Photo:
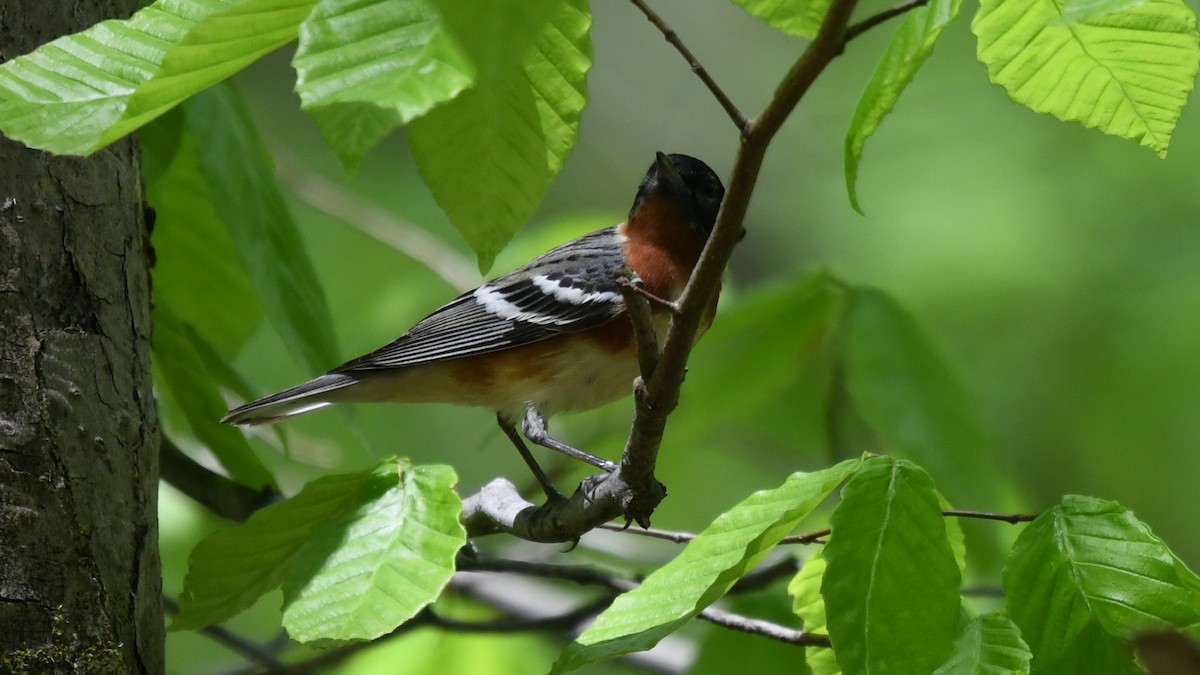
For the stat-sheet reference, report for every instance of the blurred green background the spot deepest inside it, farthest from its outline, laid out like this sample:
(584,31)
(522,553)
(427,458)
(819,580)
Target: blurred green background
(1057,269)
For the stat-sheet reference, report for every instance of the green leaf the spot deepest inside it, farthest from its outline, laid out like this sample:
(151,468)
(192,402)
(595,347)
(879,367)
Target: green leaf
(365,67)
(497,35)
(1127,73)
(765,367)
(394,557)
(891,582)
(489,155)
(238,171)
(989,645)
(910,46)
(182,370)
(905,391)
(1086,576)
(807,603)
(198,274)
(790,17)
(83,91)
(232,568)
(732,545)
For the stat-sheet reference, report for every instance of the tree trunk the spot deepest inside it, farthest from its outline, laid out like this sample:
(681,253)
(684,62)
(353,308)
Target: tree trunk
(80,577)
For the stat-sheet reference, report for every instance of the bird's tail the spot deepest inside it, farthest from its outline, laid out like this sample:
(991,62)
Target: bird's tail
(297,400)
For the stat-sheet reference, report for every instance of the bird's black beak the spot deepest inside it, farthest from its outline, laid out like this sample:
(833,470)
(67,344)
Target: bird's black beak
(667,170)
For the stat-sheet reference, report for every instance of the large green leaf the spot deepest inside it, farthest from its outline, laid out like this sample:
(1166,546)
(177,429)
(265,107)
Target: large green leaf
(1086,576)
(764,368)
(198,274)
(732,545)
(791,17)
(989,645)
(182,370)
(904,390)
(891,581)
(81,92)
(1127,73)
(807,603)
(238,171)
(232,568)
(910,46)
(489,155)
(365,67)
(392,558)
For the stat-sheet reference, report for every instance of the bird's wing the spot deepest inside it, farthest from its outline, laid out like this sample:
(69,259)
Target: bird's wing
(568,289)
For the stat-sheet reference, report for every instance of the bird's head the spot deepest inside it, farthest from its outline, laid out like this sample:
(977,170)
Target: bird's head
(685,183)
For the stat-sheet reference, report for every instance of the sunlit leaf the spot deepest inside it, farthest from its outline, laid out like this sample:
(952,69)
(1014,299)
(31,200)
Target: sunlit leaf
(732,545)
(232,568)
(183,371)
(910,46)
(364,67)
(238,171)
(807,603)
(1127,73)
(81,92)
(1086,576)
(791,17)
(891,581)
(391,559)
(989,645)
(489,155)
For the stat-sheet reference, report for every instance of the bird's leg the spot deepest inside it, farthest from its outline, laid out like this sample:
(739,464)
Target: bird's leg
(535,430)
(552,493)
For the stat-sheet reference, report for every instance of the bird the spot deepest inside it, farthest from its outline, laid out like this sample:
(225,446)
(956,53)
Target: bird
(552,336)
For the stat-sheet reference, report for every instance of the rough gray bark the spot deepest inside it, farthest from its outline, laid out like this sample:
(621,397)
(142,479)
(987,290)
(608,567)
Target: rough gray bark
(79,569)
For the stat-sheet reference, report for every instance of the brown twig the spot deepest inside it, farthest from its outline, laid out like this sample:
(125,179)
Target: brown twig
(642,318)
(219,494)
(874,20)
(261,654)
(1012,518)
(731,109)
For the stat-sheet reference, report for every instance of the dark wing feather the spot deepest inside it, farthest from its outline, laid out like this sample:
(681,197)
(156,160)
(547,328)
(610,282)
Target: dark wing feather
(569,289)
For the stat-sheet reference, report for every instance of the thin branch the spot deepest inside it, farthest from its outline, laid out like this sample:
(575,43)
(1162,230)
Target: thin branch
(640,314)
(410,240)
(593,577)
(219,494)
(766,575)
(1012,518)
(731,109)
(874,20)
(566,621)
(253,651)
(767,629)
(675,536)
(814,537)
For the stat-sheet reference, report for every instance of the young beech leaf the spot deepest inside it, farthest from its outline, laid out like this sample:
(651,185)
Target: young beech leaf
(364,67)
(81,92)
(1126,72)
(807,603)
(891,582)
(910,46)
(1084,578)
(489,155)
(728,548)
(392,557)
(989,645)
(358,554)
